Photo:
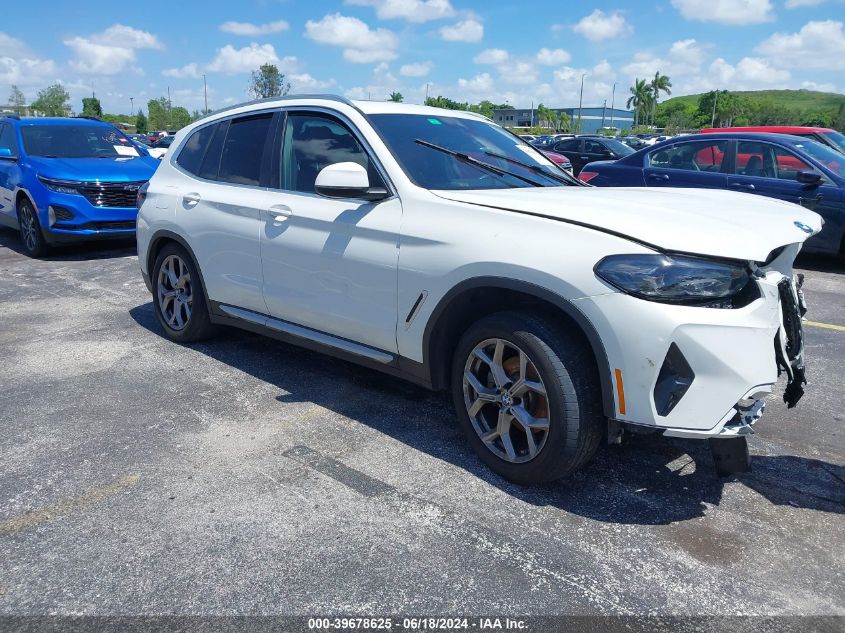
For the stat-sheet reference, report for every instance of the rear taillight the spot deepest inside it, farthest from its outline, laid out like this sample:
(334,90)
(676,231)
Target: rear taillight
(587,176)
(142,195)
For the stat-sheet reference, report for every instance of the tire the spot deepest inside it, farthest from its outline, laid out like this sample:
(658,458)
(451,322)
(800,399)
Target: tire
(177,286)
(557,363)
(32,239)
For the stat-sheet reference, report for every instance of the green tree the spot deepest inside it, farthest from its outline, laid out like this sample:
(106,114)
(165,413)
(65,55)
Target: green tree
(660,83)
(545,116)
(838,121)
(16,100)
(564,123)
(639,99)
(141,125)
(179,118)
(446,103)
(267,81)
(91,107)
(159,113)
(396,96)
(52,101)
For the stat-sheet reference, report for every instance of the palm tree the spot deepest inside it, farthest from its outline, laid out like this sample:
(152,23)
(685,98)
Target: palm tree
(660,83)
(640,95)
(396,96)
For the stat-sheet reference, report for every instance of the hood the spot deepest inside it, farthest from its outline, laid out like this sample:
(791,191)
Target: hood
(117,169)
(701,221)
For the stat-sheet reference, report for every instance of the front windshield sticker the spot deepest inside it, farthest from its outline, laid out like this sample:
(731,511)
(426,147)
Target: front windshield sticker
(435,122)
(123,150)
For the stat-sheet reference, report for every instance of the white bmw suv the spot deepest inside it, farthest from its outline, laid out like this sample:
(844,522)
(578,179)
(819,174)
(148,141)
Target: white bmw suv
(437,246)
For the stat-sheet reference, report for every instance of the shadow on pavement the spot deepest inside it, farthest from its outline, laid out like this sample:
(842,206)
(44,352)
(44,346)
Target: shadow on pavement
(821,263)
(648,480)
(104,249)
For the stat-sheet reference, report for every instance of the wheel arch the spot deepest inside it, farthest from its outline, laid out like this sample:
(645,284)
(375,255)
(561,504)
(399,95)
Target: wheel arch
(477,297)
(159,240)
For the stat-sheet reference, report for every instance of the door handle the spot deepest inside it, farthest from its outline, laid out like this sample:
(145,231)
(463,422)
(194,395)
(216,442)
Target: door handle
(658,176)
(585,158)
(743,185)
(280,212)
(191,199)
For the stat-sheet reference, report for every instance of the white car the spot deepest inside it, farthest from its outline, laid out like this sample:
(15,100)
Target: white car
(434,245)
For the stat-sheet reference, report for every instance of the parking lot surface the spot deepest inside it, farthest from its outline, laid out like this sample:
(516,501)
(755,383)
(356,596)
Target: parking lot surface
(246,476)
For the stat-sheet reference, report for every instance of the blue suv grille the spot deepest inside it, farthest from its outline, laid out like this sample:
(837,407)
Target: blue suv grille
(111,194)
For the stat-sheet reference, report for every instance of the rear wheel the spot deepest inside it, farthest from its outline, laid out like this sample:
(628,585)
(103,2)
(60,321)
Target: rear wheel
(178,296)
(527,395)
(30,229)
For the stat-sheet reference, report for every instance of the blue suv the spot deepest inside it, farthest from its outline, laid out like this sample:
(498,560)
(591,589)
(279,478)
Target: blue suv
(69,180)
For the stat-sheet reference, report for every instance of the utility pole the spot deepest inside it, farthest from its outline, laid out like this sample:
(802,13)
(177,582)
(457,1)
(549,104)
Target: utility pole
(205,94)
(532,112)
(131,106)
(612,104)
(426,91)
(603,110)
(169,108)
(581,101)
(713,116)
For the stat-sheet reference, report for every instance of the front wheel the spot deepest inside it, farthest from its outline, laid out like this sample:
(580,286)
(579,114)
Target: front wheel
(178,296)
(527,393)
(30,229)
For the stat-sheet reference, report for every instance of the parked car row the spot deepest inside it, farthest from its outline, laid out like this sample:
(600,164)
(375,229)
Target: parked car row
(435,246)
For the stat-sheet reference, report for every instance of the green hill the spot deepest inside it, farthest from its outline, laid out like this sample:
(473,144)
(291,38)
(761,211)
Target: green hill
(796,100)
(755,107)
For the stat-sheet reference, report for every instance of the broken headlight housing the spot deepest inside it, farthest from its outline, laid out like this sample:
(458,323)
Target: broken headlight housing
(681,279)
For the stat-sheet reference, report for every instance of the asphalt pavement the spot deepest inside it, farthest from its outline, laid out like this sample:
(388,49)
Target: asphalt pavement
(246,476)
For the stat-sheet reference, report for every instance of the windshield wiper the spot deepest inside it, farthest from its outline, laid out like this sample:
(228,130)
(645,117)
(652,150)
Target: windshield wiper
(466,158)
(535,168)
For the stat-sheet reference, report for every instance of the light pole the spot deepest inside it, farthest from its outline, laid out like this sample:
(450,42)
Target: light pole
(205,94)
(715,100)
(612,103)
(581,101)
(131,106)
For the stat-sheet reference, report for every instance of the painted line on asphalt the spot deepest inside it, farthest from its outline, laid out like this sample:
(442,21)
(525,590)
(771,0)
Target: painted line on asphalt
(826,326)
(65,506)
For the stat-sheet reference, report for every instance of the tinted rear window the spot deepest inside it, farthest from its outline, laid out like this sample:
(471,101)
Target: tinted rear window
(190,158)
(243,150)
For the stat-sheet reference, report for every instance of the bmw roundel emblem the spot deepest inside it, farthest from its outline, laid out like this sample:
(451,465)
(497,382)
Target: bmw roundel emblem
(804,227)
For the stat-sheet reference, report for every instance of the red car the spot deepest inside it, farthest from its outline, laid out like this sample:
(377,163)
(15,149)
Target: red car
(823,135)
(559,160)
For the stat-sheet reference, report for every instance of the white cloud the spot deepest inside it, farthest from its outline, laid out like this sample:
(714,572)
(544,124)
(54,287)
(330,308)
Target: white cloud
(479,84)
(24,71)
(302,83)
(556,57)
(12,47)
(469,30)
(110,52)
(819,45)
(732,12)
(359,42)
(419,69)
(382,83)
(188,71)
(411,10)
(684,57)
(599,26)
(518,72)
(812,85)
(230,60)
(492,56)
(254,30)
(750,73)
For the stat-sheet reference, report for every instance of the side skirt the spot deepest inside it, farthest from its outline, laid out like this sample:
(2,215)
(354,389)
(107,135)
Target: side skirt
(315,340)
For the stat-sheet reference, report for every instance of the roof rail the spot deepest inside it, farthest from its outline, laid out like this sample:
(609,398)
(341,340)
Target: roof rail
(90,117)
(10,115)
(289,97)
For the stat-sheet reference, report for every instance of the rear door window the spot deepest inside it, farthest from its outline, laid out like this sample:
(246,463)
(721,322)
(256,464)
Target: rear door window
(192,153)
(763,160)
(697,156)
(243,149)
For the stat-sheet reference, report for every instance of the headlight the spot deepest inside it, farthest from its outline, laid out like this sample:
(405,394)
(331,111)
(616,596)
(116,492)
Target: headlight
(60,186)
(676,278)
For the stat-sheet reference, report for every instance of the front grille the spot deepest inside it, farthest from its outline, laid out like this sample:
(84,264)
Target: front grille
(114,225)
(111,194)
(791,319)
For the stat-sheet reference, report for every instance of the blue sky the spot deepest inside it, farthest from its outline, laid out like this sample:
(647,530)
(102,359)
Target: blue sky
(515,52)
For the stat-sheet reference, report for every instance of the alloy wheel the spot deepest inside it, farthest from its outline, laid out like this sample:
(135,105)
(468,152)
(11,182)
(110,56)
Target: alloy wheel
(506,400)
(29,227)
(175,292)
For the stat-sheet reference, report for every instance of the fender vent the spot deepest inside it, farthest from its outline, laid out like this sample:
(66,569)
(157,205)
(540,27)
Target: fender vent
(673,381)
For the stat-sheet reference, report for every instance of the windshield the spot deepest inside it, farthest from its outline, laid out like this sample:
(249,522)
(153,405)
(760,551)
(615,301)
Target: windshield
(618,147)
(410,138)
(76,141)
(828,157)
(836,138)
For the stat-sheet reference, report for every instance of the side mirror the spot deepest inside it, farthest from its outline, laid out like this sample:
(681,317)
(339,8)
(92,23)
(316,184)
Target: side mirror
(347,180)
(5,152)
(809,177)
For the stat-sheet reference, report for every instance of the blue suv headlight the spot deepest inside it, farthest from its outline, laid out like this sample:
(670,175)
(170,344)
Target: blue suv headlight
(60,186)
